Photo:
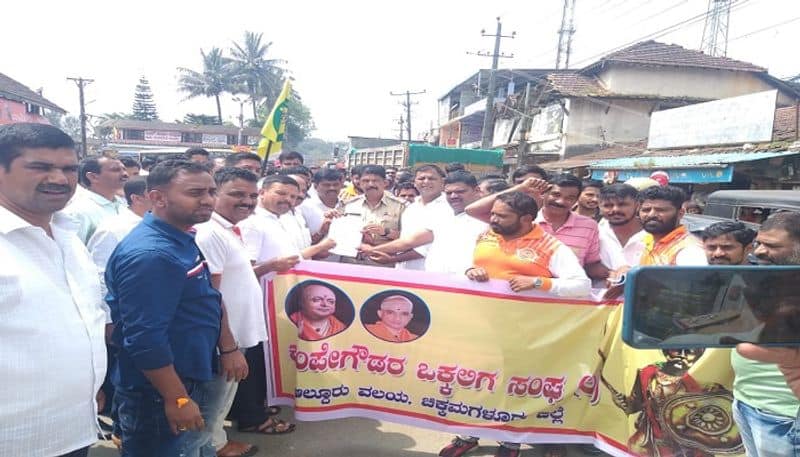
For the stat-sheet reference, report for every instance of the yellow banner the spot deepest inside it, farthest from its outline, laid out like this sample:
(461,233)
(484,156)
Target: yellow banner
(445,353)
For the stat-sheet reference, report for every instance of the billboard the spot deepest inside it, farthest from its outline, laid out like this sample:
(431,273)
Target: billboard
(743,119)
(214,138)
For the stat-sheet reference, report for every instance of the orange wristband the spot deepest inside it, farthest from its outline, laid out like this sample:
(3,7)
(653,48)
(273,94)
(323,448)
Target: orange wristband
(181,401)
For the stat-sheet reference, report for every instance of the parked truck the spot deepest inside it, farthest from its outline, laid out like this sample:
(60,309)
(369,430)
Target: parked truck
(478,161)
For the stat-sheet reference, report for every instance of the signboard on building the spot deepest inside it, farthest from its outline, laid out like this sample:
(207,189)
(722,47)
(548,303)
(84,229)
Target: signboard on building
(743,119)
(546,125)
(162,136)
(214,138)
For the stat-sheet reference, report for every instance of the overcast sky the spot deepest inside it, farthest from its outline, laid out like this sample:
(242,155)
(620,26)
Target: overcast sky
(346,56)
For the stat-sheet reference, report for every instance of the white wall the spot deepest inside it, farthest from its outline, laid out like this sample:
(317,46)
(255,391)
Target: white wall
(682,82)
(595,121)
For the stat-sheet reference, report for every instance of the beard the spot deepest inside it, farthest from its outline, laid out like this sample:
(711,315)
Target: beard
(660,228)
(506,230)
(792,259)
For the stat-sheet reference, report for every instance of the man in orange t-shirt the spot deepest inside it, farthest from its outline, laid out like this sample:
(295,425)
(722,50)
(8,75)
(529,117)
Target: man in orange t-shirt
(315,319)
(517,250)
(395,313)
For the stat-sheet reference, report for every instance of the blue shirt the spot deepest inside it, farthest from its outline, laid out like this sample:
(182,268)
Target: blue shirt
(163,306)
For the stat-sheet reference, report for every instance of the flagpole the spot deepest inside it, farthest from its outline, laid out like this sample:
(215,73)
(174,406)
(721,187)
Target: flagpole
(266,157)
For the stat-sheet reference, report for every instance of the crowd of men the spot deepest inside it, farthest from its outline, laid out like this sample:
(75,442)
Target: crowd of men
(150,272)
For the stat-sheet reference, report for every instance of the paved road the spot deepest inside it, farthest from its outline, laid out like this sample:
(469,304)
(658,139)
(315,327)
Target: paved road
(350,438)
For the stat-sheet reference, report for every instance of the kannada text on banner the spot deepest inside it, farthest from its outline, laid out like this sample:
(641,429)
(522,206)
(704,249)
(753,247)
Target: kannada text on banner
(442,352)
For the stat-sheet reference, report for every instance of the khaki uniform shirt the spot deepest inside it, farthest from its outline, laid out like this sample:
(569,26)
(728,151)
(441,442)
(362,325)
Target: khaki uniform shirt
(386,213)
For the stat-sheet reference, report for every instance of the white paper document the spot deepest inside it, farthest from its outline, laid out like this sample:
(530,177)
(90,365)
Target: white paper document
(346,232)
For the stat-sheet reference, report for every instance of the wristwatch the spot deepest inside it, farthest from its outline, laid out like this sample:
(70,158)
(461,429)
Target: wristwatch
(537,282)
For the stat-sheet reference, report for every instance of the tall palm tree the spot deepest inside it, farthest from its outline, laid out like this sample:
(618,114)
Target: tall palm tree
(259,76)
(213,81)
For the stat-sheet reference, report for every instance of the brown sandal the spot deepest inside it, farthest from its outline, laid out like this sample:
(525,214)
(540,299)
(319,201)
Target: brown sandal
(271,426)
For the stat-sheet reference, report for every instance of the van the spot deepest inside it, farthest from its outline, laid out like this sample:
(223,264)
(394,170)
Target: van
(749,206)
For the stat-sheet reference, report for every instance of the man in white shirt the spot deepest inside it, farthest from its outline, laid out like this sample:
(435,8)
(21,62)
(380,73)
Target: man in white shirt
(328,184)
(102,243)
(621,234)
(294,221)
(267,240)
(52,356)
(112,230)
(270,247)
(232,274)
(431,205)
(102,178)
(451,238)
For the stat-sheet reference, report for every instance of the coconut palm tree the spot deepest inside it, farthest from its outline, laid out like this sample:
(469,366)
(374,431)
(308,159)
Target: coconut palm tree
(259,77)
(213,81)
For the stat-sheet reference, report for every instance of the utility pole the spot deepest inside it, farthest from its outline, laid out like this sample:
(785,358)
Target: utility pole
(407,105)
(715,30)
(486,134)
(565,34)
(82,82)
(401,122)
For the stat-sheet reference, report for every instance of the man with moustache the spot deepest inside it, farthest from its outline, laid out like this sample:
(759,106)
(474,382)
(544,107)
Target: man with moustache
(430,206)
(380,213)
(579,233)
(621,234)
(588,202)
(52,356)
(328,184)
(294,221)
(169,320)
(451,239)
(767,383)
(728,243)
(667,241)
(102,179)
(266,238)
(232,274)
(112,230)
(519,251)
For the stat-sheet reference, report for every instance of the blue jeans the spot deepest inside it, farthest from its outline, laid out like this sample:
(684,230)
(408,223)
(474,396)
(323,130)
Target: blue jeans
(765,434)
(145,431)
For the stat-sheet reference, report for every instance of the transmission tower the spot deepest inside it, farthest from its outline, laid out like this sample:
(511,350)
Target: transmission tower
(565,34)
(715,30)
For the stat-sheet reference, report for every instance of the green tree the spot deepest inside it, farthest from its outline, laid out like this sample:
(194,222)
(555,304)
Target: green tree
(299,123)
(255,74)
(144,107)
(211,82)
(70,125)
(199,119)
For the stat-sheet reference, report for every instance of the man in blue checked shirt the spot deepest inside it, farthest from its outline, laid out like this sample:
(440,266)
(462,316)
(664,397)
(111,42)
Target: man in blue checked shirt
(169,320)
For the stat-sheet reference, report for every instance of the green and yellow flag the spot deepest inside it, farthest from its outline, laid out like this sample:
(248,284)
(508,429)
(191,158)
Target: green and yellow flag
(275,126)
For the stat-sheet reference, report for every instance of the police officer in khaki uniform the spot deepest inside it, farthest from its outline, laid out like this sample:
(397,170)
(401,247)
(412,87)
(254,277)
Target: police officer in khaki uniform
(380,212)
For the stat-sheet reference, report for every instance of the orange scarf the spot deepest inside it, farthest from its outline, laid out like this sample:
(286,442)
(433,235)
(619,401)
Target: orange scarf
(307,332)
